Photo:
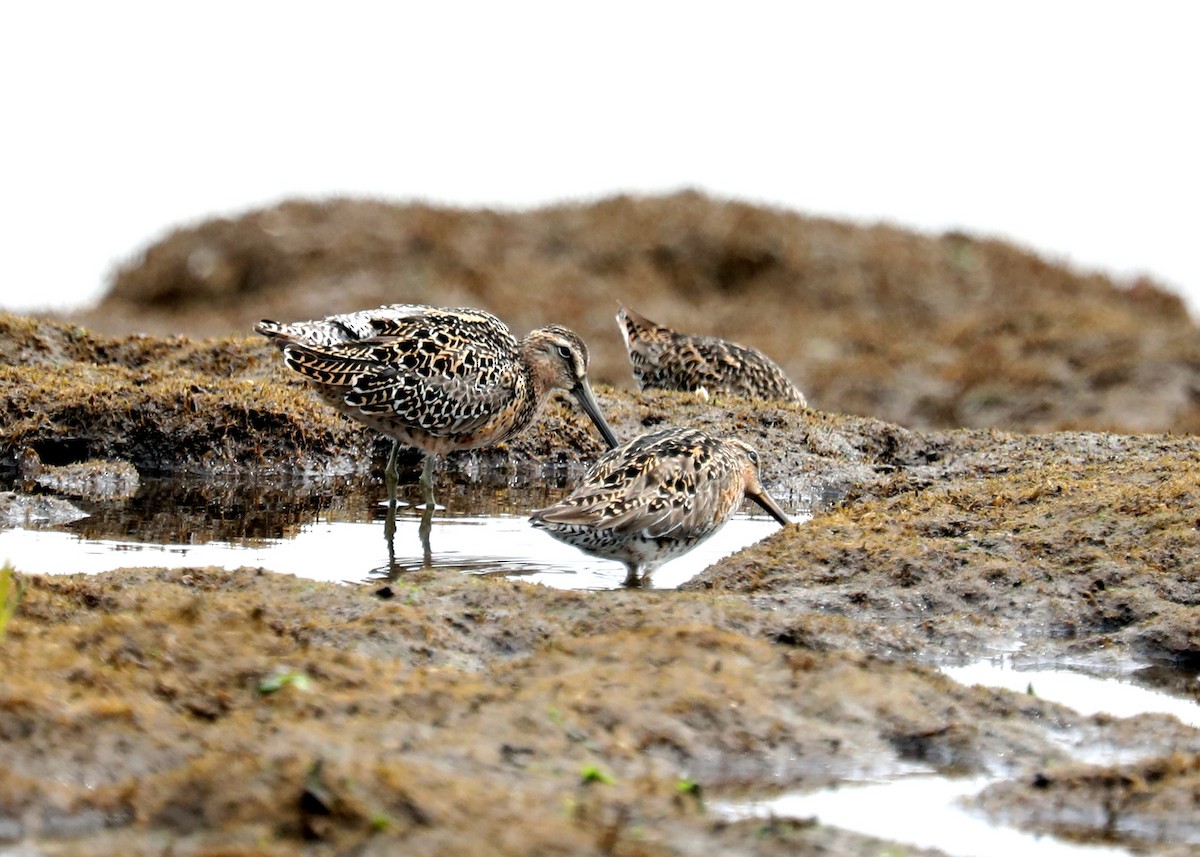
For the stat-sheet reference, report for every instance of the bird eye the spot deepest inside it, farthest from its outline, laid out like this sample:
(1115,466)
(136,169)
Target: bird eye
(753,457)
(564,352)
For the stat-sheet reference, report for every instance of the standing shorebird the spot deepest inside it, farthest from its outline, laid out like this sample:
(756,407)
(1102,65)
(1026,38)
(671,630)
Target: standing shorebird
(657,497)
(666,360)
(436,379)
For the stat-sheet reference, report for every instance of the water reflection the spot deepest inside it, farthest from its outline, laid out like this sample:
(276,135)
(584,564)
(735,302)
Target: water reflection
(333,529)
(197,511)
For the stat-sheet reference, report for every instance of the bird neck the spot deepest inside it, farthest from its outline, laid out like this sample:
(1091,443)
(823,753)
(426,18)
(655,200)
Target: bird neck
(539,375)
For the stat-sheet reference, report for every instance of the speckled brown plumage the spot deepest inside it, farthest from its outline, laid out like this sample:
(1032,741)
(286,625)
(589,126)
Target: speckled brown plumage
(657,497)
(434,378)
(666,360)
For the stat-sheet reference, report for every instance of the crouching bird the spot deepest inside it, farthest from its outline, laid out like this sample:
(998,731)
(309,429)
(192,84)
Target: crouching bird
(657,497)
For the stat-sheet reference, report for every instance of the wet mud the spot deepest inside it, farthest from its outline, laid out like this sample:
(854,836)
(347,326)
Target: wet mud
(207,712)
(248,712)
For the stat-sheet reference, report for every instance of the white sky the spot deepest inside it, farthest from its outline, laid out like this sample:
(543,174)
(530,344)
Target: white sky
(1069,127)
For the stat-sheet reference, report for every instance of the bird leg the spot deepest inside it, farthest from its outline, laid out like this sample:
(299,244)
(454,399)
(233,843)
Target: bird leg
(389,479)
(427,512)
(427,479)
(423,532)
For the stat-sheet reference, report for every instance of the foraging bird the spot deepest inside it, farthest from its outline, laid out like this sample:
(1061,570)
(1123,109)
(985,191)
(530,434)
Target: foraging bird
(436,379)
(666,360)
(657,497)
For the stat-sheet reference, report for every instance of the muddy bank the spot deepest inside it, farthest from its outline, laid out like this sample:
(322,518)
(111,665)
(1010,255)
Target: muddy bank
(250,713)
(244,712)
(1076,544)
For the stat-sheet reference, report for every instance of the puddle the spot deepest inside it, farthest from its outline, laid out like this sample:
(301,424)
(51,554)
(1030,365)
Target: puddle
(920,811)
(1084,693)
(1173,692)
(928,810)
(333,530)
(354,553)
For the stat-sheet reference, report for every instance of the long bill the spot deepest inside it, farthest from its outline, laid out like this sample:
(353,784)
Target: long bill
(582,392)
(768,503)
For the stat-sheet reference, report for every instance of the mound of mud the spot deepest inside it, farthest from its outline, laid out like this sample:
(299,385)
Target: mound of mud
(919,330)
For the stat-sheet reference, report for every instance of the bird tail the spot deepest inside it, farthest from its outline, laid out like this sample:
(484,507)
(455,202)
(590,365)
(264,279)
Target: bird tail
(272,330)
(635,327)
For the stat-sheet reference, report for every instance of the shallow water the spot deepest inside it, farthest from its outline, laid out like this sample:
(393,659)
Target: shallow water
(1086,694)
(333,530)
(922,811)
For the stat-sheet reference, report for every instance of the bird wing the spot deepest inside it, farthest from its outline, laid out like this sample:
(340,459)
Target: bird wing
(451,329)
(439,384)
(404,321)
(717,364)
(438,404)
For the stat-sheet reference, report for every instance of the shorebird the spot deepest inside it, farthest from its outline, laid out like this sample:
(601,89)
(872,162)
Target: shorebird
(434,378)
(657,497)
(667,360)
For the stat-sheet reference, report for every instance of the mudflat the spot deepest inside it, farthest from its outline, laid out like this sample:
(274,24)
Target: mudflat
(201,711)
